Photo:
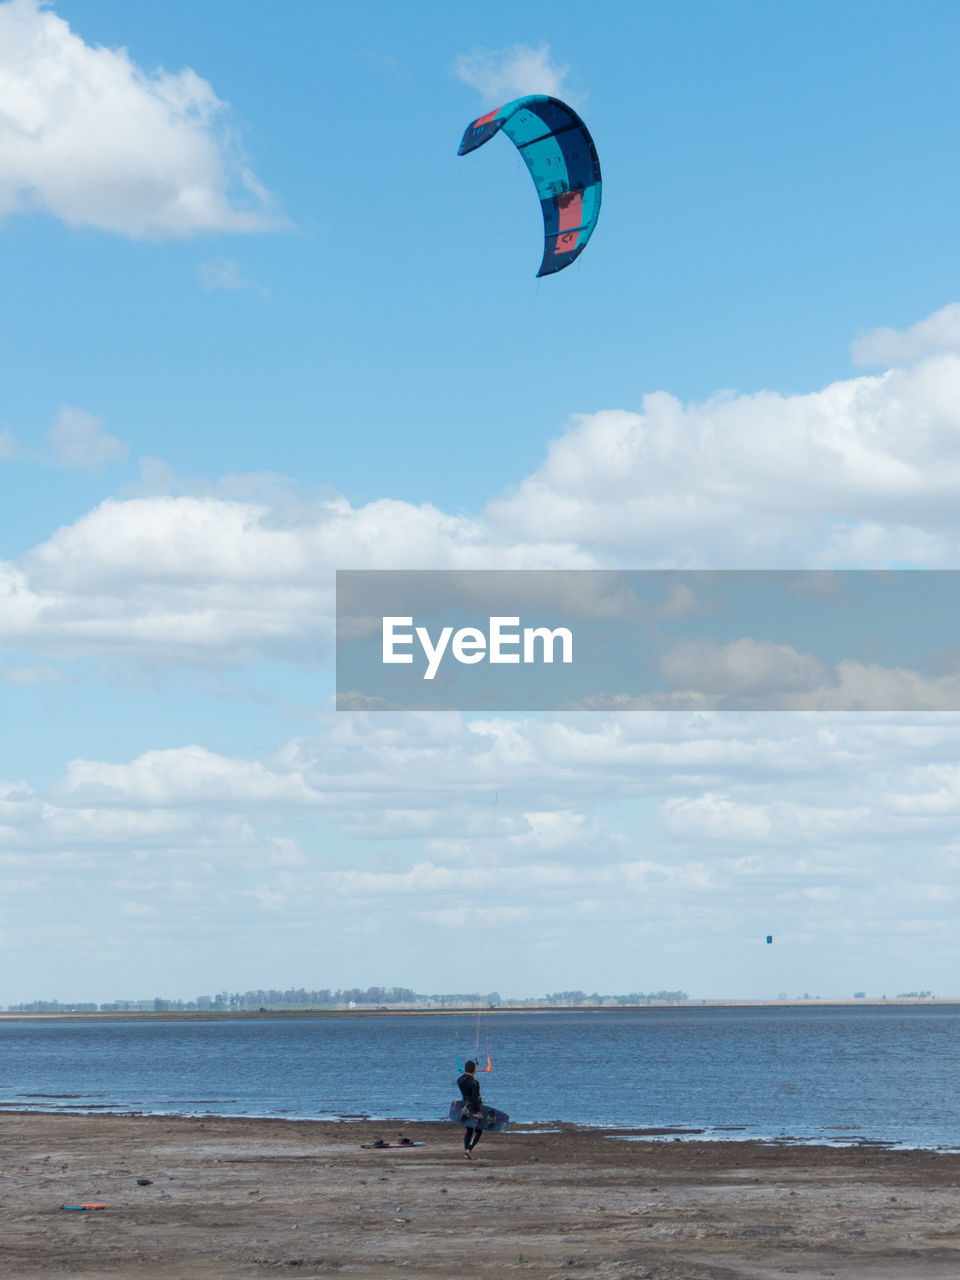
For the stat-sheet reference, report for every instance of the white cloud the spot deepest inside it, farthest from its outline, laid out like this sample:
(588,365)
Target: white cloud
(721,819)
(36,675)
(199,577)
(93,139)
(225,273)
(503,74)
(862,473)
(938,332)
(184,776)
(756,481)
(703,825)
(741,667)
(8,445)
(751,675)
(79,440)
(463,917)
(138,909)
(716,830)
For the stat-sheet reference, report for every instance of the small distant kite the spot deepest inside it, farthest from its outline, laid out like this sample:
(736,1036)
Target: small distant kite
(561,157)
(769,937)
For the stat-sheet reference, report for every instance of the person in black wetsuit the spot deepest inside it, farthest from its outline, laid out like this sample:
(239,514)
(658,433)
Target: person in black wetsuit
(469,1087)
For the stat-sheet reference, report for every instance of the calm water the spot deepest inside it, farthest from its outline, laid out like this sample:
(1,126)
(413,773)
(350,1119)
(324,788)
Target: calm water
(843,1074)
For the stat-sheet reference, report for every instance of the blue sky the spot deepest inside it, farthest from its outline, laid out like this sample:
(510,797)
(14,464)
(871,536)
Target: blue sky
(259,322)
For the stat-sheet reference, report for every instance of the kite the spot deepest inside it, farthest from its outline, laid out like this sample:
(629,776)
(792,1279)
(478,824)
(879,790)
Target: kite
(561,157)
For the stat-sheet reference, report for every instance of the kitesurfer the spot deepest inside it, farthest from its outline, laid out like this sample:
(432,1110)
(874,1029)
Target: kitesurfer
(470,1089)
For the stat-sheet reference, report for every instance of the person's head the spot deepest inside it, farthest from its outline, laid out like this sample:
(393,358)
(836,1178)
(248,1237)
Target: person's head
(470,1067)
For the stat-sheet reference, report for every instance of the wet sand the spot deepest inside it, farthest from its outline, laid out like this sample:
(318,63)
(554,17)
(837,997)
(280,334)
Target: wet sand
(233,1199)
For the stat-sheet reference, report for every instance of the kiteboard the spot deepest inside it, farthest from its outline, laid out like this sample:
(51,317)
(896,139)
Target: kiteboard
(491,1120)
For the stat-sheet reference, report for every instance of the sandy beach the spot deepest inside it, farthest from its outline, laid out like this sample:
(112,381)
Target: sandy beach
(191,1199)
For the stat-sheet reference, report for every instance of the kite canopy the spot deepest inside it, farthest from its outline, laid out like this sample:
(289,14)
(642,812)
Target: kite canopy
(562,160)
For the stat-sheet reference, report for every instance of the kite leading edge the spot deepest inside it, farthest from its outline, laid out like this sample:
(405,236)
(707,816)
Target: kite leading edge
(561,157)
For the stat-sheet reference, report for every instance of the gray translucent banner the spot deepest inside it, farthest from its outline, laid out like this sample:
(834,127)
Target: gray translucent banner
(550,640)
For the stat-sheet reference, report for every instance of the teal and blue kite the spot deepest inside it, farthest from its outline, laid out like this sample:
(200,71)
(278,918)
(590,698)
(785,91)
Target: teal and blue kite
(562,160)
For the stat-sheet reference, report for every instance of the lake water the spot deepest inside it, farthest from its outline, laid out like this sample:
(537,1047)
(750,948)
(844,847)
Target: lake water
(837,1074)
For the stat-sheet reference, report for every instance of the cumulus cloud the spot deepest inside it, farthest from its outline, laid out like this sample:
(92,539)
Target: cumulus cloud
(761,675)
(36,675)
(720,818)
(79,440)
(645,827)
(717,776)
(712,824)
(225,274)
(938,332)
(138,909)
(502,74)
(742,667)
(861,473)
(91,138)
(184,776)
(207,577)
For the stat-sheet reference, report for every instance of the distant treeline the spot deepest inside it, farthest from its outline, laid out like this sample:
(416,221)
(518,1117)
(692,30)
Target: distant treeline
(635,997)
(301,998)
(294,998)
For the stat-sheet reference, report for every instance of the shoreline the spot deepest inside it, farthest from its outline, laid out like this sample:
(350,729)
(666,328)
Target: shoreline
(211,1198)
(706,1134)
(208,1015)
